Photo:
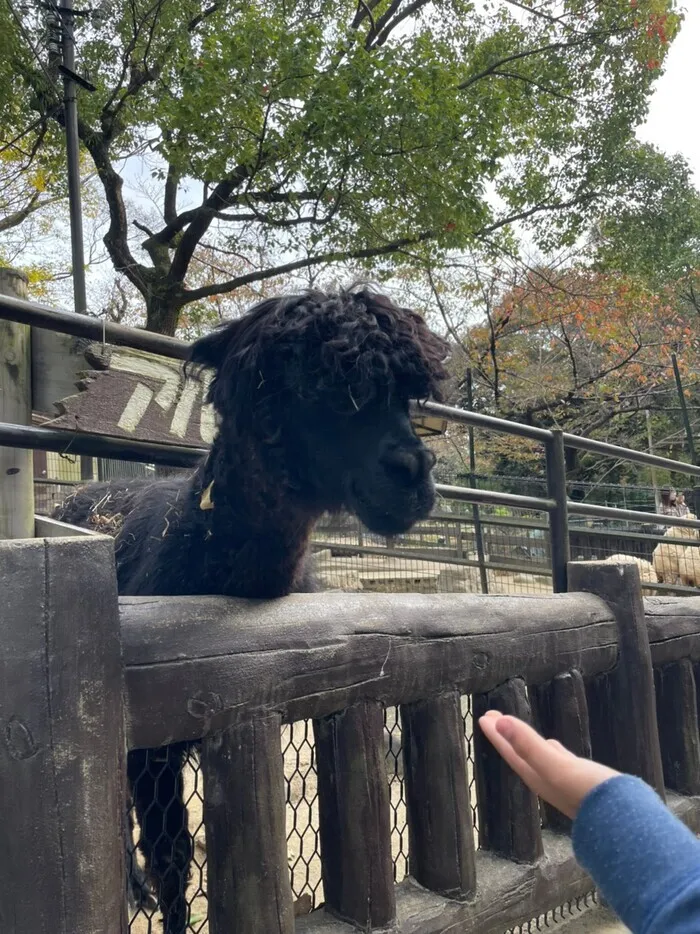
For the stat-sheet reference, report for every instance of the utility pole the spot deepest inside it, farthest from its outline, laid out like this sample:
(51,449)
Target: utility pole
(73,154)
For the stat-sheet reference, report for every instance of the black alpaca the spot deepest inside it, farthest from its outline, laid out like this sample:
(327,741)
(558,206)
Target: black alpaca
(312,396)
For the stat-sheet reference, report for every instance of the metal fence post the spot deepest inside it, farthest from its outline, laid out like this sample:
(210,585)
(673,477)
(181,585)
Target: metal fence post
(478,531)
(558,515)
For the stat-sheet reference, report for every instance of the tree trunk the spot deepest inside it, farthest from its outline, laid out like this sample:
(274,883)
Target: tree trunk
(163,306)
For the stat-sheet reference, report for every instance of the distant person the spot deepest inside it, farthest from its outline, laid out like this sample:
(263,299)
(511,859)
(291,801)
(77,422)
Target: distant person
(643,859)
(683,508)
(669,503)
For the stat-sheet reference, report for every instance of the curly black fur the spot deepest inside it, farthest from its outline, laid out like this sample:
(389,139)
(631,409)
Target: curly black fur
(312,395)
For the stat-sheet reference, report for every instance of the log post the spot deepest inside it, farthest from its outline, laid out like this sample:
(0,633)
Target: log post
(248,879)
(354,820)
(676,707)
(509,816)
(560,711)
(62,751)
(622,704)
(16,464)
(441,835)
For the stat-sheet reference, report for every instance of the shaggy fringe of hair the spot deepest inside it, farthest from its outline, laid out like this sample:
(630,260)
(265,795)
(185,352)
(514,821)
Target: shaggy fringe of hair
(346,348)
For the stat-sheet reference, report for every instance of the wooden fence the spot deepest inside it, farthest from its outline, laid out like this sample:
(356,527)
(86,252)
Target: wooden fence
(85,675)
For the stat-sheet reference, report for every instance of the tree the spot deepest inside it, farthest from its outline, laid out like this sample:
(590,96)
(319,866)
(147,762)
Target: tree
(654,229)
(325,132)
(565,345)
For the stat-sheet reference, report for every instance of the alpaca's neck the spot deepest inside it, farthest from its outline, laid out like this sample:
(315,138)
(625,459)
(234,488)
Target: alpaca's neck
(258,527)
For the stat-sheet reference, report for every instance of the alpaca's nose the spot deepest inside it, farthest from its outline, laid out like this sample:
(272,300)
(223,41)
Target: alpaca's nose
(408,465)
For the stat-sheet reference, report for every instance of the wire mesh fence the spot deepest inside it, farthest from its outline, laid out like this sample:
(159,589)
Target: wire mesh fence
(298,751)
(303,848)
(439,555)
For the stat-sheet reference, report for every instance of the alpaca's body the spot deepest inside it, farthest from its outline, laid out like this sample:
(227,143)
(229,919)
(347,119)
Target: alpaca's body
(312,395)
(668,558)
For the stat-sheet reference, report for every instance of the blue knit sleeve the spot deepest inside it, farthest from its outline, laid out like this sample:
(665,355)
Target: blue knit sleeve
(644,860)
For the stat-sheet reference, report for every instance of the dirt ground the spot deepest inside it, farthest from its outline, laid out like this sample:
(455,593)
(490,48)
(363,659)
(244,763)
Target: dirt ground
(375,573)
(595,920)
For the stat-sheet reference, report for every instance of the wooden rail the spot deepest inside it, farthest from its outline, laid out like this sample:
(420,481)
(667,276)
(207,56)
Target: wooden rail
(591,667)
(310,655)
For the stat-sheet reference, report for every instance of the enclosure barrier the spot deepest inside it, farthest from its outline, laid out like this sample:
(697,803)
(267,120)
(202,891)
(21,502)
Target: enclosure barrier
(84,675)
(554,442)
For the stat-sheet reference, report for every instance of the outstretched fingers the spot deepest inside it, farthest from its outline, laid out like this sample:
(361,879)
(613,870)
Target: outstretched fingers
(496,728)
(547,768)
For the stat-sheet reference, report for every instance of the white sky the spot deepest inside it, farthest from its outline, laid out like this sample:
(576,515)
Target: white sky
(673,123)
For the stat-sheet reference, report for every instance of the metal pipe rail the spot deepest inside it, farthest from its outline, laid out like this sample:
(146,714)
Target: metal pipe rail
(639,457)
(630,515)
(93,445)
(467,494)
(42,316)
(488,422)
(94,329)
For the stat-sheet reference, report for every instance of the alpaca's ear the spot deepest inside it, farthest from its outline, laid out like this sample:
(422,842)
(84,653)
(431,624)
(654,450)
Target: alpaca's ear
(209,351)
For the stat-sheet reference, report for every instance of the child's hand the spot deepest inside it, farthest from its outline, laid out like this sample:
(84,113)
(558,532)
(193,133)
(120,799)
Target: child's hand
(546,767)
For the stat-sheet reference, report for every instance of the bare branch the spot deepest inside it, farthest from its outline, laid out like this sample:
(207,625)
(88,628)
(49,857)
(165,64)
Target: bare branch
(193,295)
(31,207)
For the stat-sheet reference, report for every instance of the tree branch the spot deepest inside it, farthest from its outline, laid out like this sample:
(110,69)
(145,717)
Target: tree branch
(205,14)
(527,53)
(193,295)
(202,221)
(537,84)
(385,27)
(170,195)
(116,238)
(33,205)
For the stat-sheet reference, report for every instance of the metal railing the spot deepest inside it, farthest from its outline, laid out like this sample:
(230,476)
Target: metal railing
(556,505)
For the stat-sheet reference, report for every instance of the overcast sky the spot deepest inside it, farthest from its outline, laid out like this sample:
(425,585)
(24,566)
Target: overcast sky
(673,125)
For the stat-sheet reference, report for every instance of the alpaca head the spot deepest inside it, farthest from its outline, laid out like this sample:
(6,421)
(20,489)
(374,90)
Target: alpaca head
(315,389)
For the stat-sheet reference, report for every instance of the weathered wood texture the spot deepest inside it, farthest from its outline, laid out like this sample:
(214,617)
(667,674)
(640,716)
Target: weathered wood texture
(248,883)
(440,830)
(57,363)
(311,654)
(52,528)
(628,696)
(508,894)
(62,747)
(560,711)
(354,818)
(509,816)
(16,464)
(673,625)
(676,705)
(133,394)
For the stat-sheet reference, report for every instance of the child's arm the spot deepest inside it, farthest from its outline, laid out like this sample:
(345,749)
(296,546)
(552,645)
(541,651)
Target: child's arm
(644,860)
